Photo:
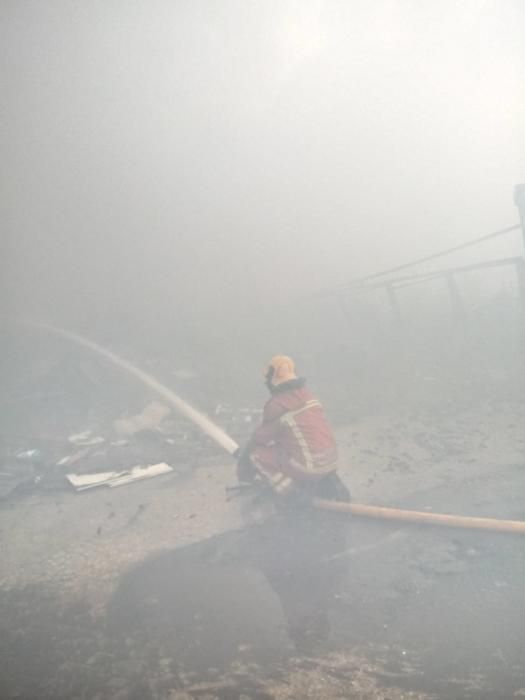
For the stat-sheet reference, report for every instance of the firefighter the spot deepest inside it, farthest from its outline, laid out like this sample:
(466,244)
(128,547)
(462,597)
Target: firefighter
(293,449)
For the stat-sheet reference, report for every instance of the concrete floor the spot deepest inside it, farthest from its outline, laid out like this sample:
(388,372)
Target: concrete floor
(161,590)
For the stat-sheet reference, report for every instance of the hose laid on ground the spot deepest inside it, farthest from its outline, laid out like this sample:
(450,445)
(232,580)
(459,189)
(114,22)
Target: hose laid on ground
(415,516)
(227,443)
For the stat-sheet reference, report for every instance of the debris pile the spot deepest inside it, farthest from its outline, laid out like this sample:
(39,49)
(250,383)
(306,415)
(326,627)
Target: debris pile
(237,422)
(82,482)
(149,419)
(67,428)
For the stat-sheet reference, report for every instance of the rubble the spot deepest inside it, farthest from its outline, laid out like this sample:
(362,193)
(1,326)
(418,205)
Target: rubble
(82,482)
(68,460)
(86,439)
(29,455)
(149,419)
(92,424)
(237,422)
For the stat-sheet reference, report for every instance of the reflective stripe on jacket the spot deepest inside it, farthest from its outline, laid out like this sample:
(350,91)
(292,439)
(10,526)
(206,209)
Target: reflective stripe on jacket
(294,421)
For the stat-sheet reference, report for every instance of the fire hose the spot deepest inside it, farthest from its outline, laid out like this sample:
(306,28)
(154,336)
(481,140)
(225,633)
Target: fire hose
(221,438)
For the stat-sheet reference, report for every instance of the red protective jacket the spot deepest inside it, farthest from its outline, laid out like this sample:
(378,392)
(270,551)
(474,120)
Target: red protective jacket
(295,427)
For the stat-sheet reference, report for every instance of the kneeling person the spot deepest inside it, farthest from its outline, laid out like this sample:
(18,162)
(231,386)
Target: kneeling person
(294,448)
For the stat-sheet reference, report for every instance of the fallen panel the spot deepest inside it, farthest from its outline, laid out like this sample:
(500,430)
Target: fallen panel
(138,473)
(81,482)
(88,481)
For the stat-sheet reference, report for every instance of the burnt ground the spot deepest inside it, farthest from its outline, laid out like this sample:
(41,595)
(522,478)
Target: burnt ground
(165,590)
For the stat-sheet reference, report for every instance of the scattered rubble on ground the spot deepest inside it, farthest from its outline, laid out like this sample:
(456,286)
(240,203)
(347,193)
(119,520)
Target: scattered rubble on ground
(88,543)
(149,419)
(82,482)
(85,439)
(37,449)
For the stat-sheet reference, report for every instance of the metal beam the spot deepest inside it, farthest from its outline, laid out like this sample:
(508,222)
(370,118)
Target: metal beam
(519,201)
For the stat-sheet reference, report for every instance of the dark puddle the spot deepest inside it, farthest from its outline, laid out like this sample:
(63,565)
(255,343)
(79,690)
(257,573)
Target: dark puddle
(217,618)
(255,596)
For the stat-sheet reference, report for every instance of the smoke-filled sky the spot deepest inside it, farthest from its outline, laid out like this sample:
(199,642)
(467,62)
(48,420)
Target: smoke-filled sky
(190,159)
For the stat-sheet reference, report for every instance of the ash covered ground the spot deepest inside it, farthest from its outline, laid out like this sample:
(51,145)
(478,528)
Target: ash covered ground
(167,589)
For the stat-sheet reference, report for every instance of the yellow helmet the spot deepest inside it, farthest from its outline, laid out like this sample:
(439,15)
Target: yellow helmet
(281,369)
